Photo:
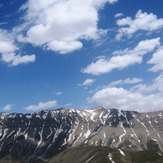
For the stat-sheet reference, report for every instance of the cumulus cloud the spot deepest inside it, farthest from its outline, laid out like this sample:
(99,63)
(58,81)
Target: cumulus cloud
(103,66)
(157,60)
(7,107)
(8,51)
(6,43)
(64,47)
(41,106)
(122,58)
(124,99)
(13,60)
(142,97)
(60,25)
(142,21)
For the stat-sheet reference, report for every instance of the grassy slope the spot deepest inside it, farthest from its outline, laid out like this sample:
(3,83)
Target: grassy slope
(95,154)
(100,154)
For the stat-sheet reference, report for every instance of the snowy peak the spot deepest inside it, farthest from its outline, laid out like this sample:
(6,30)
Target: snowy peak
(49,132)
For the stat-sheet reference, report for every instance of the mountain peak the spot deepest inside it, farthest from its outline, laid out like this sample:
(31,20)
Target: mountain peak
(48,132)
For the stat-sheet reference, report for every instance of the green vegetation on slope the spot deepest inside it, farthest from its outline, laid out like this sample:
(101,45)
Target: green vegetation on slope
(95,154)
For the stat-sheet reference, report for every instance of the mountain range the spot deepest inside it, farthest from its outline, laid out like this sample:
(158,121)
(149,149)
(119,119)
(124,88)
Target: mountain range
(81,136)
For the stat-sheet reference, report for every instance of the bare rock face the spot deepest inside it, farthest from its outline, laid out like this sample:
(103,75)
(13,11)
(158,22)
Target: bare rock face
(47,133)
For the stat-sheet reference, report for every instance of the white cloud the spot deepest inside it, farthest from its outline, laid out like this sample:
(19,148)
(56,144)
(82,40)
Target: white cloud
(132,80)
(115,83)
(41,106)
(112,1)
(142,97)
(88,82)
(157,60)
(122,58)
(126,81)
(146,46)
(121,98)
(103,66)
(143,21)
(6,43)
(7,107)
(8,51)
(118,15)
(155,86)
(64,47)
(61,25)
(13,60)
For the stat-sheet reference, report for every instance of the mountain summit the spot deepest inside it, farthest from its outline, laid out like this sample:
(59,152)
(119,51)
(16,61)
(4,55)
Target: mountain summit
(47,133)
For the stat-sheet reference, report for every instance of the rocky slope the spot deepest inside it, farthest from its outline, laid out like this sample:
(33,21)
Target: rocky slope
(45,134)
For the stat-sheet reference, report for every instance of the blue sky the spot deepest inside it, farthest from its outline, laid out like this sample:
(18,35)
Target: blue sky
(76,54)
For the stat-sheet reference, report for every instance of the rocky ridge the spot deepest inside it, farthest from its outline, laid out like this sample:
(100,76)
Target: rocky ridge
(49,132)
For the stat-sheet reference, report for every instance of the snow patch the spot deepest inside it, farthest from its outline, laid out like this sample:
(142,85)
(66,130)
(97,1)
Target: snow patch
(143,125)
(124,133)
(104,135)
(121,152)
(110,158)
(90,158)
(153,127)
(3,115)
(87,134)
(28,116)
